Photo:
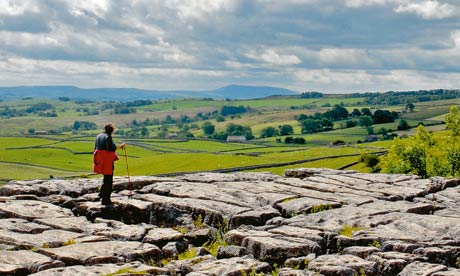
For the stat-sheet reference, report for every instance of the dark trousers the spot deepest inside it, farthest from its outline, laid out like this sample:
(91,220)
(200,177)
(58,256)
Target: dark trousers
(106,188)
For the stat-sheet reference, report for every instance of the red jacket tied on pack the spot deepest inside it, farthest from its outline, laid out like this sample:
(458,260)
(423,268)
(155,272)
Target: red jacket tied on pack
(104,154)
(103,161)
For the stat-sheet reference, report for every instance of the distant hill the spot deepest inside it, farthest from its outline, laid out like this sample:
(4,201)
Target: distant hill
(131,94)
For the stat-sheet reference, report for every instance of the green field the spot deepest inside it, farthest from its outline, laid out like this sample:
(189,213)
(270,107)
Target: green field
(28,158)
(69,153)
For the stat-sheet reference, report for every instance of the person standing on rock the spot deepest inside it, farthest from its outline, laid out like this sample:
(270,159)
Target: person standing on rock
(103,160)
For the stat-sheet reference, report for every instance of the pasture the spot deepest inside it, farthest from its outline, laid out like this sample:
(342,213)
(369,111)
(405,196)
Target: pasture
(29,158)
(69,153)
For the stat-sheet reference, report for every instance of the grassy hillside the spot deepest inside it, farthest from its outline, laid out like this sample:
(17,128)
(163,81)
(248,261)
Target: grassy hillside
(24,155)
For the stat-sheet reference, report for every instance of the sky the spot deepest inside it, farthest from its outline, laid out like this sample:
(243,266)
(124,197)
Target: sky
(331,46)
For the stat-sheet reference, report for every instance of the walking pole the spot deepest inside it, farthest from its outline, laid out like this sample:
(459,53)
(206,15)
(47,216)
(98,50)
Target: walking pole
(130,185)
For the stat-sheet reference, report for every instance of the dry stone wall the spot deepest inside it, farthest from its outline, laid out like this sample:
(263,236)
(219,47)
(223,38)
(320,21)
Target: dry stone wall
(308,222)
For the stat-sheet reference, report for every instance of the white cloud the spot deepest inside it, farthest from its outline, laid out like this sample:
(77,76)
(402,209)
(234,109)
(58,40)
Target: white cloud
(270,56)
(455,36)
(82,74)
(18,7)
(343,81)
(344,57)
(192,43)
(361,3)
(428,9)
(23,39)
(196,9)
(96,7)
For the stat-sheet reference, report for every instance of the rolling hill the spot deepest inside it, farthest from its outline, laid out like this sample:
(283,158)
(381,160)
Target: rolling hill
(131,94)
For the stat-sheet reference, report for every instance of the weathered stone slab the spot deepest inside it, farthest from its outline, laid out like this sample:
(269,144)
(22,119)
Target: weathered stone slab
(133,268)
(256,217)
(71,223)
(327,264)
(393,212)
(305,233)
(323,183)
(306,172)
(161,236)
(366,215)
(438,255)
(449,272)
(184,267)
(116,230)
(22,226)
(422,269)
(415,228)
(233,177)
(110,228)
(392,263)
(225,252)
(48,238)
(25,262)
(267,246)
(305,205)
(165,210)
(296,272)
(218,191)
(299,262)
(324,191)
(31,209)
(232,266)
(361,251)
(74,187)
(103,252)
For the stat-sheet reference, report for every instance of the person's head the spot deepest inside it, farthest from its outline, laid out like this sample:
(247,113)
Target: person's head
(109,128)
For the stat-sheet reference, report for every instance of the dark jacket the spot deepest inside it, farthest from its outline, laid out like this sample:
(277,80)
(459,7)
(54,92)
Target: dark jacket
(104,154)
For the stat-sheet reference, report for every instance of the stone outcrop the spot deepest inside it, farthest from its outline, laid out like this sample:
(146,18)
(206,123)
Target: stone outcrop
(308,222)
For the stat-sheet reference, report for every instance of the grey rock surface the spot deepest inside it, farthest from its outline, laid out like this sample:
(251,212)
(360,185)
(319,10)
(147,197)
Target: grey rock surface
(25,262)
(133,268)
(309,222)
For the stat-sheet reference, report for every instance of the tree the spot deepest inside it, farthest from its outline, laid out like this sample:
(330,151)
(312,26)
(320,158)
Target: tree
(310,126)
(220,118)
(365,121)
(268,132)
(383,116)
(208,128)
(453,123)
(409,156)
(366,112)
(239,130)
(424,154)
(371,160)
(144,131)
(310,95)
(410,106)
(453,120)
(232,110)
(326,124)
(289,140)
(286,130)
(299,140)
(355,113)
(350,123)
(337,113)
(403,125)
(222,135)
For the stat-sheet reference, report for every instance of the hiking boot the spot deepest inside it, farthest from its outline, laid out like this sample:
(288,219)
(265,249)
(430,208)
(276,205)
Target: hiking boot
(106,201)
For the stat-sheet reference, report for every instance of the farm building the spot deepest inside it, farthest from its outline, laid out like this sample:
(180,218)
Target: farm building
(232,138)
